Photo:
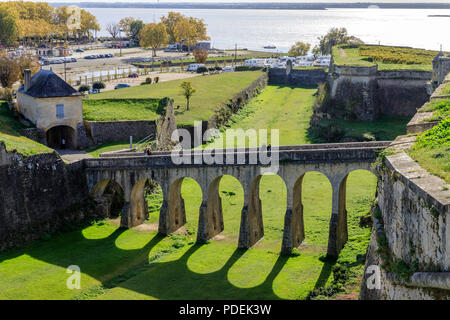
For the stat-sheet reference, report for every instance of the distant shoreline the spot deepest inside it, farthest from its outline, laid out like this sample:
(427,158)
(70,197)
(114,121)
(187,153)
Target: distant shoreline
(439,15)
(257,5)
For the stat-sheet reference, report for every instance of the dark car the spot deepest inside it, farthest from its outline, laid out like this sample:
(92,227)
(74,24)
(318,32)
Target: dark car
(79,50)
(133,75)
(122,85)
(73,60)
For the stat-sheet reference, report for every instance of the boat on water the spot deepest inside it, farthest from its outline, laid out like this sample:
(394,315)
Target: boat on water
(270,47)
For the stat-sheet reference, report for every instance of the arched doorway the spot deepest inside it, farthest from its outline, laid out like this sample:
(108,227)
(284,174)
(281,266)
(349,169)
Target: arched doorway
(61,137)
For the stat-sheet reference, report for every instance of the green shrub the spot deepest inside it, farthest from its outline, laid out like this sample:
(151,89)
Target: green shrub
(248,68)
(202,69)
(84,88)
(98,85)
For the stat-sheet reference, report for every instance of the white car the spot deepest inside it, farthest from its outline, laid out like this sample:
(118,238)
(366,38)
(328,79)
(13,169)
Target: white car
(228,69)
(195,66)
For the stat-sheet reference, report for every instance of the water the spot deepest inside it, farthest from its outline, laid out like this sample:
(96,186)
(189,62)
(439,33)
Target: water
(254,29)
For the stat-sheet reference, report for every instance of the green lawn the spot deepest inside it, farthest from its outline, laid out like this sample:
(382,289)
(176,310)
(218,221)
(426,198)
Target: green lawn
(432,150)
(9,134)
(212,91)
(387,58)
(131,264)
(386,128)
(120,109)
(439,107)
(445,90)
(106,147)
(280,107)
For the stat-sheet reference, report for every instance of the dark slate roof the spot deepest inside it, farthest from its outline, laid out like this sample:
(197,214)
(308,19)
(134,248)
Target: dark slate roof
(46,84)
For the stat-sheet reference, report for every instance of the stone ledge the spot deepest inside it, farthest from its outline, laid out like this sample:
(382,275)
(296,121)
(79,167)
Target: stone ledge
(437,280)
(426,185)
(419,123)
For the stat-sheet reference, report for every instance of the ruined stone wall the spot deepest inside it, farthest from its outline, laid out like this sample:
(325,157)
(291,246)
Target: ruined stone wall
(39,195)
(110,131)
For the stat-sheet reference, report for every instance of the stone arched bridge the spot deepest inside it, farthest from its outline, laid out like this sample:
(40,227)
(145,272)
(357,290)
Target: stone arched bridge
(335,161)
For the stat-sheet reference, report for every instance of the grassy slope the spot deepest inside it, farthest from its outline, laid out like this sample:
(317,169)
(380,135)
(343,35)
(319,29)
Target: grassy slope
(352,57)
(110,110)
(284,108)
(432,150)
(386,128)
(13,140)
(212,91)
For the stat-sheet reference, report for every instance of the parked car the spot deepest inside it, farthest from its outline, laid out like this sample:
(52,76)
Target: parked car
(195,66)
(228,69)
(109,55)
(122,85)
(79,50)
(133,75)
(93,91)
(73,59)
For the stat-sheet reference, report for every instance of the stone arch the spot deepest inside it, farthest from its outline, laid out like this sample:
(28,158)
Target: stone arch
(55,136)
(109,196)
(341,236)
(138,208)
(175,216)
(252,226)
(294,227)
(211,221)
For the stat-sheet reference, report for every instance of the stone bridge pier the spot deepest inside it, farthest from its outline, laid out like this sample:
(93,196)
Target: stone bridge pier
(133,173)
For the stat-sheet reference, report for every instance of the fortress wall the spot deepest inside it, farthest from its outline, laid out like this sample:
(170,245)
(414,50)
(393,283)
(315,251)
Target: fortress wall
(415,221)
(365,93)
(297,77)
(111,131)
(40,195)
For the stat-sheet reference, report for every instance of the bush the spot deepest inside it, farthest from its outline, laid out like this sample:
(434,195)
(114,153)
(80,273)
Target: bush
(247,68)
(6,94)
(218,68)
(148,80)
(83,88)
(98,85)
(202,69)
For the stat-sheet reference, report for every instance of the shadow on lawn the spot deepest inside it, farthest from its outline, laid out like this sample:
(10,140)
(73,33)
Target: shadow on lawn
(99,258)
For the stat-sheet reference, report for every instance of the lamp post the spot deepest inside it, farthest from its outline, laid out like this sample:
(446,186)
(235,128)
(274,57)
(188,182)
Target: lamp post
(121,40)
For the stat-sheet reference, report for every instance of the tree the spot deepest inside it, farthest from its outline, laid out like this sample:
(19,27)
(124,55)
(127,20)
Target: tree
(334,36)
(88,23)
(153,35)
(83,88)
(113,29)
(125,24)
(190,30)
(171,21)
(27,61)
(187,91)
(299,49)
(8,29)
(200,55)
(135,28)
(98,85)
(12,68)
